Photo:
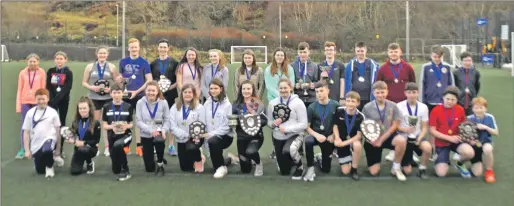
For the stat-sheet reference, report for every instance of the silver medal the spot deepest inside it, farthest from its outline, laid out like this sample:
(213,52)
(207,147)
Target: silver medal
(58,89)
(133,76)
(395,80)
(467,90)
(439,84)
(361,79)
(331,81)
(322,127)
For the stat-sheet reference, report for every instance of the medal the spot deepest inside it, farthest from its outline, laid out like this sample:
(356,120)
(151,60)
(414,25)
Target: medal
(152,114)
(331,71)
(191,70)
(395,80)
(322,127)
(361,79)
(31,82)
(323,115)
(349,124)
(381,114)
(396,74)
(59,79)
(133,76)
(184,123)
(83,128)
(162,67)
(34,122)
(450,132)
(212,122)
(214,110)
(466,90)
(439,84)
(162,77)
(214,71)
(58,89)
(361,69)
(449,120)
(437,72)
(30,91)
(247,74)
(185,114)
(348,137)
(331,81)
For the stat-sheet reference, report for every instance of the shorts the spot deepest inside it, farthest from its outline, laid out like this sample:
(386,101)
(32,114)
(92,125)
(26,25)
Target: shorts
(344,154)
(443,153)
(409,151)
(133,102)
(479,152)
(374,154)
(99,104)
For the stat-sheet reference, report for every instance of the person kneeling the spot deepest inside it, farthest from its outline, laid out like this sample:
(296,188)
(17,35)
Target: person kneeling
(347,134)
(88,130)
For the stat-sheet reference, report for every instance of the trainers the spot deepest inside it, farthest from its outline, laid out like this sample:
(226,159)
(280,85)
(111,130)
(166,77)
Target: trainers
(172,151)
(63,155)
(456,157)
(90,168)
(258,170)
(355,176)
(298,173)
(233,158)
(272,155)
(220,172)
(106,152)
(127,150)
(97,153)
(464,172)
(59,161)
(415,158)
(422,174)
(124,176)
(399,174)
(309,175)
(159,168)
(49,172)
(139,151)
(20,154)
(489,176)
(390,156)
(433,158)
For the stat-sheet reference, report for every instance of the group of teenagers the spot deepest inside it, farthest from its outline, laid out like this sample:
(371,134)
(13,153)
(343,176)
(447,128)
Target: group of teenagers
(327,103)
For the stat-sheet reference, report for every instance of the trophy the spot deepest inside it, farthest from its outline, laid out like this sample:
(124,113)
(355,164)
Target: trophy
(304,86)
(164,84)
(281,111)
(250,123)
(370,130)
(126,93)
(468,131)
(67,134)
(232,120)
(157,125)
(196,129)
(413,122)
(117,127)
(324,74)
(102,83)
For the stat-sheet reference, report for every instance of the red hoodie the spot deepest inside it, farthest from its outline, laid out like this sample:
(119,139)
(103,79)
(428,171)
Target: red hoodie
(396,90)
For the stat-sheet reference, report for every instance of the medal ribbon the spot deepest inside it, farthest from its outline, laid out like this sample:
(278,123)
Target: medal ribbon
(450,119)
(323,113)
(332,69)
(215,71)
(361,68)
(192,74)
(247,75)
(437,70)
(349,125)
(59,76)
(100,70)
(152,114)
(396,74)
(281,101)
(382,117)
(185,114)
(83,129)
(163,64)
(466,81)
(118,117)
(34,122)
(410,111)
(31,82)
(214,110)
(302,72)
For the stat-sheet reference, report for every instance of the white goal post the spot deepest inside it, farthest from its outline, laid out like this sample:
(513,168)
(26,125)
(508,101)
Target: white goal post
(5,55)
(454,53)
(261,54)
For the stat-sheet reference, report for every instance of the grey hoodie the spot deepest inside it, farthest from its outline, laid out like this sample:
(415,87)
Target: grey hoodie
(297,119)
(178,129)
(144,120)
(219,125)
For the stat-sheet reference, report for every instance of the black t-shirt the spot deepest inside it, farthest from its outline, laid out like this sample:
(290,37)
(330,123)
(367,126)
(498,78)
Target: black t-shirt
(339,120)
(124,115)
(170,73)
(363,88)
(90,138)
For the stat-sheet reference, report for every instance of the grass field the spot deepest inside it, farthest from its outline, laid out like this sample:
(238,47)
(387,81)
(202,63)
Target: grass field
(21,187)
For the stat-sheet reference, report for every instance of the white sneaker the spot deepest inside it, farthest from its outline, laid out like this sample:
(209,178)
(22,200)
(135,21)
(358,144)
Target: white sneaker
(59,161)
(234,159)
(456,156)
(309,175)
(399,174)
(106,152)
(390,156)
(415,158)
(258,170)
(97,153)
(220,172)
(49,172)
(433,158)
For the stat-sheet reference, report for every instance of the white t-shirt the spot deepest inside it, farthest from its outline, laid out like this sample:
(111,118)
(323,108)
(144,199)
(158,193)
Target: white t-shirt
(422,115)
(44,129)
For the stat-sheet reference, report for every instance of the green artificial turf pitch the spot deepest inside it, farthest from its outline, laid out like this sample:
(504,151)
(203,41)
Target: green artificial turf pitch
(21,187)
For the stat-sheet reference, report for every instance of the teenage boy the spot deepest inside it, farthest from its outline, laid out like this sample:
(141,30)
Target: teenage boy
(117,120)
(136,72)
(435,77)
(396,73)
(306,72)
(347,135)
(467,79)
(360,74)
(335,73)
(320,120)
(387,115)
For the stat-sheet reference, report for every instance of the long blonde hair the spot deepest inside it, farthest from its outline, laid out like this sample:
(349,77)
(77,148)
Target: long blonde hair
(223,60)
(180,100)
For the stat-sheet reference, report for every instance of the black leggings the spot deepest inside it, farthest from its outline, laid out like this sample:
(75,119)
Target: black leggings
(81,155)
(287,152)
(118,156)
(188,154)
(248,150)
(44,157)
(327,149)
(216,146)
(148,155)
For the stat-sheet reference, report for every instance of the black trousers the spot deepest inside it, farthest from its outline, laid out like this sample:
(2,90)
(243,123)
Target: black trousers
(118,156)
(149,144)
(216,146)
(287,152)
(326,153)
(44,157)
(62,109)
(248,150)
(81,155)
(189,153)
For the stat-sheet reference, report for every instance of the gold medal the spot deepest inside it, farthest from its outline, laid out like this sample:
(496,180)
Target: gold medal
(184,123)
(450,132)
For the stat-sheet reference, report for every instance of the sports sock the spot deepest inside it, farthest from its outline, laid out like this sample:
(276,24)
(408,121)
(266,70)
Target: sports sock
(396,165)
(422,167)
(139,144)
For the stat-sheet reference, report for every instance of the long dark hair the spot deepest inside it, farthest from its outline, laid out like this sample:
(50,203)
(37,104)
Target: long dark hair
(91,117)
(223,94)
(197,64)
(255,68)
(274,65)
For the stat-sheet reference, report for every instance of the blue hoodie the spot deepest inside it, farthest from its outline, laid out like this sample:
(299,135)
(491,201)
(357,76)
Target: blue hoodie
(349,70)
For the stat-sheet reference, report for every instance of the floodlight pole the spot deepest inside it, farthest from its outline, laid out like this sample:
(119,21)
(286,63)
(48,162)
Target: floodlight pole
(280,24)
(123,30)
(117,25)
(407,31)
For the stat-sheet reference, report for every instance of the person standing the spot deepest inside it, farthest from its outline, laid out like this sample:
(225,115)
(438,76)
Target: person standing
(360,74)
(249,71)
